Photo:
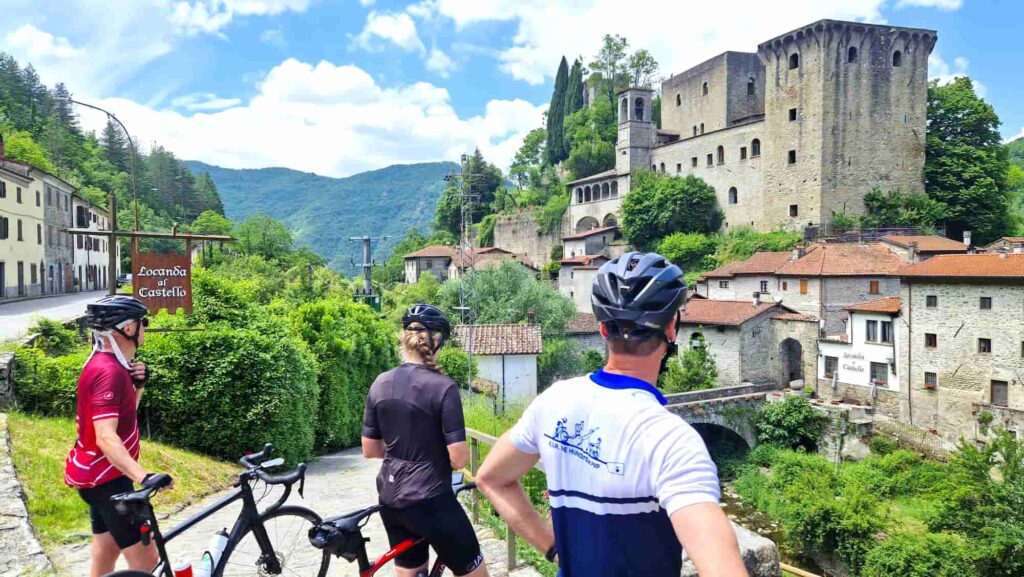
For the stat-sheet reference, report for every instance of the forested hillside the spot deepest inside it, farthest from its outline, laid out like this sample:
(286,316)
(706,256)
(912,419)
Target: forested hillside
(40,126)
(323,212)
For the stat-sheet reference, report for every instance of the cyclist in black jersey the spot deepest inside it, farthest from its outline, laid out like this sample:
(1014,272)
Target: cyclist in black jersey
(413,420)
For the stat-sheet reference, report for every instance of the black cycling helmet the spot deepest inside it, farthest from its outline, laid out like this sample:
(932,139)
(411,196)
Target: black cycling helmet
(430,317)
(637,294)
(108,312)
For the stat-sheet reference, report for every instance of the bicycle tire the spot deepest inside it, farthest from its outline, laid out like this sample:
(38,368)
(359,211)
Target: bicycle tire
(311,561)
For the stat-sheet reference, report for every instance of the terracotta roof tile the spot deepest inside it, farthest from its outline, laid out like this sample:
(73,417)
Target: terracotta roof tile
(890,305)
(758,263)
(583,323)
(590,232)
(433,251)
(985,265)
(501,339)
(584,260)
(929,243)
(489,256)
(844,260)
(731,313)
(795,317)
(597,176)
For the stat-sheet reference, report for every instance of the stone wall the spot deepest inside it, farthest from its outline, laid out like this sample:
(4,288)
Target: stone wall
(518,233)
(760,555)
(58,249)
(589,342)
(576,282)
(756,343)
(6,380)
(696,108)
(841,292)
(805,333)
(20,552)
(887,403)
(584,214)
(808,304)
(964,375)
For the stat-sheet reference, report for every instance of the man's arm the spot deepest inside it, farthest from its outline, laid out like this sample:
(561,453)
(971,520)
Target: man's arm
(499,480)
(113,449)
(373,448)
(458,455)
(709,540)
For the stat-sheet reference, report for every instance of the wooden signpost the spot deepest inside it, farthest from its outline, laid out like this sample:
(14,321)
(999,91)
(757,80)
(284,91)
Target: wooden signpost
(163,281)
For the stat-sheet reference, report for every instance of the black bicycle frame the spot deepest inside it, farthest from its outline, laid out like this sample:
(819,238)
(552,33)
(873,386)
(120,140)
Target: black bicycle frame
(249,517)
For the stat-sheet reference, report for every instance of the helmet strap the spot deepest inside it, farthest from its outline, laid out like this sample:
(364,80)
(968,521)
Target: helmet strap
(102,339)
(671,351)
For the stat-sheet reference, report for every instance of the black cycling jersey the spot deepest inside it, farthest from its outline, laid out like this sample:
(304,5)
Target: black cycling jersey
(417,413)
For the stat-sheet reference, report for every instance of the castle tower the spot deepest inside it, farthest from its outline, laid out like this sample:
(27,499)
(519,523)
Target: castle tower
(845,111)
(636,130)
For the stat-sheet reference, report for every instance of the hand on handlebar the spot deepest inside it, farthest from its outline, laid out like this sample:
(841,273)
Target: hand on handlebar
(157,481)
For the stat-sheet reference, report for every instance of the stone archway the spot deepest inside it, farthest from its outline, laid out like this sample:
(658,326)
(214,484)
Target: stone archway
(586,223)
(791,362)
(610,220)
(722,442)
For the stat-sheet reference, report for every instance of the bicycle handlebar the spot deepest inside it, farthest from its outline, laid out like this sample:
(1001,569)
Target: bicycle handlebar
(253,462)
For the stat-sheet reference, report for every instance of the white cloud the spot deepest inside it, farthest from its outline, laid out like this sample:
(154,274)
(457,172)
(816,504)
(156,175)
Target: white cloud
(37,44)
(274,37)
(365,3)
(940,4)
(1015,137)
(940,70)
(399,29)
(210,16)
(545,30)
(440,63)
(330,119)
(204,101)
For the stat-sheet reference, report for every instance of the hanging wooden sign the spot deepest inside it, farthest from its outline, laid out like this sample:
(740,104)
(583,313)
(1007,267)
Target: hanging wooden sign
(163,281)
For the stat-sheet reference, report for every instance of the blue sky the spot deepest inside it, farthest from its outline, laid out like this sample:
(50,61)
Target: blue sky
(338,87)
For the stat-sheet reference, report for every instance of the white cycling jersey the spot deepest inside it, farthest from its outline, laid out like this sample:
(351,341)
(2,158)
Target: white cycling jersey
(618,464)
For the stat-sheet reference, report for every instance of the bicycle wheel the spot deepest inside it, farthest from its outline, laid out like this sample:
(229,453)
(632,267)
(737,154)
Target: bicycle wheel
(288,531)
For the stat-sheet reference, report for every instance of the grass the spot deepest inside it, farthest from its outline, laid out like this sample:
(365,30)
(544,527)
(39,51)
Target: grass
(40,445)
(910,513)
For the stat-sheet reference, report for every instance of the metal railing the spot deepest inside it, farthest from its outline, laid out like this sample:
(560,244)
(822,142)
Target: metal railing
(913,437)
(829,233)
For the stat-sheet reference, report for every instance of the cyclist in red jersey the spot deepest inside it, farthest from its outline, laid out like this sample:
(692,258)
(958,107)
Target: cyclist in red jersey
(104,460)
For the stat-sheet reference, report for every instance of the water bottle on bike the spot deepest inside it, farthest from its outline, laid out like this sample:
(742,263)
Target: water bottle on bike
(212,554)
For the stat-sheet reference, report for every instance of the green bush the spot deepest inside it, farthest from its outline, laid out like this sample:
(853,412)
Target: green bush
(54,338)
(882,446)
(352,346)
(687,250)
(592,361)
(455,363)
(921,555)
(659,205)
(790,423)
(763,455)
(48,385)
(693,370)
(226,391)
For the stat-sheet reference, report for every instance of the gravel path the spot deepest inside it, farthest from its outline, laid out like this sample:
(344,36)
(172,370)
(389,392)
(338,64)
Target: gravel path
(335,484)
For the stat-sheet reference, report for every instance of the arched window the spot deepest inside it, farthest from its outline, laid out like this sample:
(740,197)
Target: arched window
(704,89)
(851,54)
(638,109)
(755,148)
(579,195)
(586,194)
(702,128)
(695,340)
(751,88)
(794,61)
(654,168)
(679,99)
(663,167)
(897,59)
(605,192)
(721,155)
(733,195)
(695,130)
(624,111)
(615,189)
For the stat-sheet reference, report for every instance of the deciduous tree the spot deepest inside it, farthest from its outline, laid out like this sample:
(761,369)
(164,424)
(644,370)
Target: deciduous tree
(659,205)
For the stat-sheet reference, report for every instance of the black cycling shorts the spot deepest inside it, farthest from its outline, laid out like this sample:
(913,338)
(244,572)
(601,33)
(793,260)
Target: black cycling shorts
(444,524)
(104,516)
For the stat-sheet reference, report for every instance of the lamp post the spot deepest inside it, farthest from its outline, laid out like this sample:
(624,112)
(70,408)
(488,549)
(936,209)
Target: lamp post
(112,202)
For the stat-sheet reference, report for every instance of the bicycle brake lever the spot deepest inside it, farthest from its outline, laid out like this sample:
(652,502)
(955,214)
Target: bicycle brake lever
(302,485)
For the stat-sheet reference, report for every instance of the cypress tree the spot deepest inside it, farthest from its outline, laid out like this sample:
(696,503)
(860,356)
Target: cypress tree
(555,147)
(573,100)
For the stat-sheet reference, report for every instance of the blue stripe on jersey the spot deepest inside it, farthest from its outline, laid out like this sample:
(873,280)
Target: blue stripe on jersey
(634,545)
(619,382)
(599,499)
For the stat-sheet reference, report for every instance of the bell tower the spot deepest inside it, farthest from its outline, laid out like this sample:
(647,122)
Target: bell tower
(636,130)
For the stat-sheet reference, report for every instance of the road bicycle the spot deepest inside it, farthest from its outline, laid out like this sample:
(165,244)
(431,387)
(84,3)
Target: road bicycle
(259,543)
(342,537)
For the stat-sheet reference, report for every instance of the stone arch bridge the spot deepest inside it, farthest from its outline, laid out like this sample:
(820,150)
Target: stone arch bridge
(731,408)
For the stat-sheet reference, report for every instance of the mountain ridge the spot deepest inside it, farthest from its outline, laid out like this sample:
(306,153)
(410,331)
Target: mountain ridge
(322,212)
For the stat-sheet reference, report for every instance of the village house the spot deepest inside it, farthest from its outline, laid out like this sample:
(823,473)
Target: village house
(1014,244)
(59,248)
(91,256)
(584,332)
(859,365)
(752,342)
(505,356)
(915,249)
(22,253)
(434,259)
(484,258)
(596,241)
(576,279)
(742,280)
(962,344)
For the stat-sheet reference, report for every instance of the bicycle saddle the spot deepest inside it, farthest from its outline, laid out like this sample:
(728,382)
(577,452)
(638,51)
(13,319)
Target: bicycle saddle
(351,522)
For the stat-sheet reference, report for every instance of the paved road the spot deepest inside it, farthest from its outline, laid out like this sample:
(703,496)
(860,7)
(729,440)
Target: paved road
(17,317)
(335,484)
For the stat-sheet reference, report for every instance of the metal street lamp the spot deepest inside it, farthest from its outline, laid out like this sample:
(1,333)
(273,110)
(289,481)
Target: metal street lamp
(112,201)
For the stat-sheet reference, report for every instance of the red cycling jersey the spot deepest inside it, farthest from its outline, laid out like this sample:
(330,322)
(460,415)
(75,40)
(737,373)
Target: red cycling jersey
(105,391)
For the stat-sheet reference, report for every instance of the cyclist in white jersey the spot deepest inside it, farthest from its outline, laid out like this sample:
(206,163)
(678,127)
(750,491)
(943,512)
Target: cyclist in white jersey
(630,483)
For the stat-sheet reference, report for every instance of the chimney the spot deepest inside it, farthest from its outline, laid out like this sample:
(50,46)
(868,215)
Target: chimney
(1003,252)
(757,299)
(913,251)
(967,238)
(798,252)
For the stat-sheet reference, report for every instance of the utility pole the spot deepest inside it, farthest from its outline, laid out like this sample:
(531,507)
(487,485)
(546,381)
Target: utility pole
(366,293)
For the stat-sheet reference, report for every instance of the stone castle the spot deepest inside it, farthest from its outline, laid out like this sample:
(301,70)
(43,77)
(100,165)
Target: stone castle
(787,136)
